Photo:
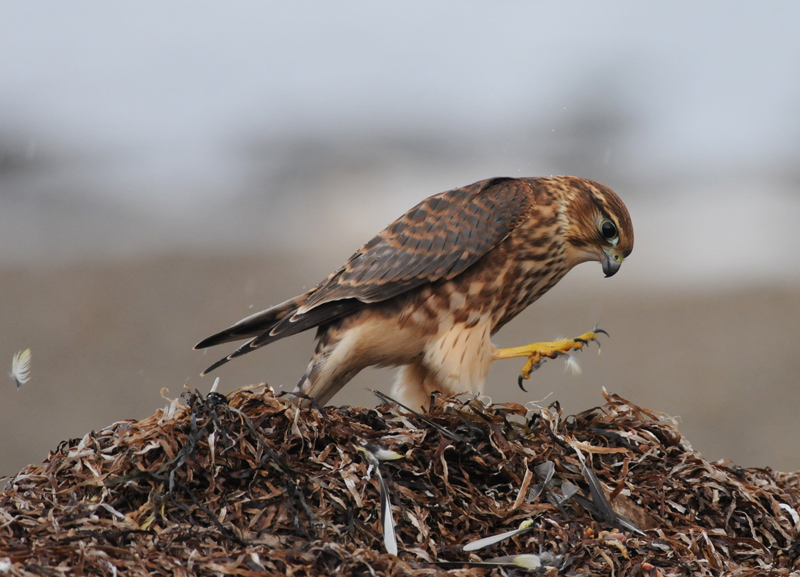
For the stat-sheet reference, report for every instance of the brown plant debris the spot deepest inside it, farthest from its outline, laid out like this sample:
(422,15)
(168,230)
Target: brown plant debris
(250,485)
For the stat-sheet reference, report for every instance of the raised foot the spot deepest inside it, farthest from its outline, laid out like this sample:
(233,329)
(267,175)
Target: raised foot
(537,352)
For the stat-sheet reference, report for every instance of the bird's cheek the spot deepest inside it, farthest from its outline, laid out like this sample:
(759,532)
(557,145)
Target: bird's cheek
(580,254)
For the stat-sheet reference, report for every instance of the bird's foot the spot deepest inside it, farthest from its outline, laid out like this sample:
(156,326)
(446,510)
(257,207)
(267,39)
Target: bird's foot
(538,352)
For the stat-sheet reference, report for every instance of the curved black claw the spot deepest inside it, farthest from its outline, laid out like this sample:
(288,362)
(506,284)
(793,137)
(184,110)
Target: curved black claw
(580,340)
(599,330)
(519,382)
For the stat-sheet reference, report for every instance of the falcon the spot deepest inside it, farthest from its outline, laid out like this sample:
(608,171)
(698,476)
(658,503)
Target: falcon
(429,291)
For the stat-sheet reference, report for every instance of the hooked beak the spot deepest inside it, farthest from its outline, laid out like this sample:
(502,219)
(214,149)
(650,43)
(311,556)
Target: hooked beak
(611,262)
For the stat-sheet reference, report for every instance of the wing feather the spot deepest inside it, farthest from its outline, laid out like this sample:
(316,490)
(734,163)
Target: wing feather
(437,239)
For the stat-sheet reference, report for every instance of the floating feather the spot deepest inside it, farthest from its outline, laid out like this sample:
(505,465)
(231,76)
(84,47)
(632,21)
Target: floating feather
(21,367)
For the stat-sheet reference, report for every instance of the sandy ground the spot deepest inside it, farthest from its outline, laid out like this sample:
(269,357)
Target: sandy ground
(106,338)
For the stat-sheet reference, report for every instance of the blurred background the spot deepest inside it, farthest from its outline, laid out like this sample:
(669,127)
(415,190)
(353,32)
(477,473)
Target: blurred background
(168,168)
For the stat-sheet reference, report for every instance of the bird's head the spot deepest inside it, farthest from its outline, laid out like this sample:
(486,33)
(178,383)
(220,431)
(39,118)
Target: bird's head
(596,222)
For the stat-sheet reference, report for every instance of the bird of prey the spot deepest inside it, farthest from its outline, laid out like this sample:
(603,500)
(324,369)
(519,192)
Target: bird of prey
(429,291)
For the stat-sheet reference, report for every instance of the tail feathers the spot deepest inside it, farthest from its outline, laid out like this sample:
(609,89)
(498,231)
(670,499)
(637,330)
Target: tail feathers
(291,325)
(321,315)
(218,364)
(254,325)
(243,350)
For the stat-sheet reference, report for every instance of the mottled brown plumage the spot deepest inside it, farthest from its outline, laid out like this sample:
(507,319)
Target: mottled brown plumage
(430,290)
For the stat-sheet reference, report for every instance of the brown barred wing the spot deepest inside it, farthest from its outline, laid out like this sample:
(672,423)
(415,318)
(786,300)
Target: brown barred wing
(437,239)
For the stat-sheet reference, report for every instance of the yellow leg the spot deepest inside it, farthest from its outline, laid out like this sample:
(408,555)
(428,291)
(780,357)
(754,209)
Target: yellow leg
(537,352)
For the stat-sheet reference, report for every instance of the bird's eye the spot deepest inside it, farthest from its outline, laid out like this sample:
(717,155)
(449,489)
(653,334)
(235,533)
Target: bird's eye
(609,230)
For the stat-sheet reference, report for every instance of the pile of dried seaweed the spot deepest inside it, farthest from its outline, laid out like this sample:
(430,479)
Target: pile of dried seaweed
(248,484)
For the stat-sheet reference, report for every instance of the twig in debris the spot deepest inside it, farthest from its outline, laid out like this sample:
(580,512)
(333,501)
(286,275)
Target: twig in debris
(601,503)
(527,561)
(387,399)
(387,520)
(524,527)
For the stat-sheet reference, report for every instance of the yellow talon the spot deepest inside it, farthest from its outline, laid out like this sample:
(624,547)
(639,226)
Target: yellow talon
(537,352)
